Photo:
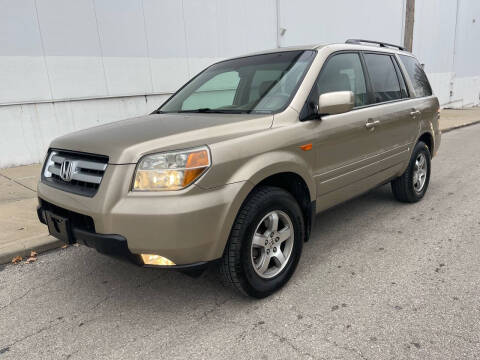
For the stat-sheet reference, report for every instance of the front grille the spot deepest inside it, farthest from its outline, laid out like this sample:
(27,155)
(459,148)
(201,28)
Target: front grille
(78,221)
(87,174)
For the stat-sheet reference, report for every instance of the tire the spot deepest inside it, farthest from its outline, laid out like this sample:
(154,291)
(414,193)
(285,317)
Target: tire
(406,188)
(242,266)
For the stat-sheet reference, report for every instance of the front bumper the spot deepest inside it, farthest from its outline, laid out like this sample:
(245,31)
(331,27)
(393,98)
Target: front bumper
(112,244)
(189,226)
(106,244)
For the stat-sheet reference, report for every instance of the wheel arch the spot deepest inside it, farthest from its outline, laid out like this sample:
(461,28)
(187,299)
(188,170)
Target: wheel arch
(428,139)
(295,185)
(290,181)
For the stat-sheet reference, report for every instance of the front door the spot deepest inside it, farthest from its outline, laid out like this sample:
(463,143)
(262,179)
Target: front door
(344,143)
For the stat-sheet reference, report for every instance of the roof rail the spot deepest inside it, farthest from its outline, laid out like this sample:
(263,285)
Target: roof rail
(380,43)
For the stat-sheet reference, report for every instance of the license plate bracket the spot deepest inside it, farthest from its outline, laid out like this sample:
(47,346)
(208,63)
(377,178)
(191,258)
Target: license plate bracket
(59,227)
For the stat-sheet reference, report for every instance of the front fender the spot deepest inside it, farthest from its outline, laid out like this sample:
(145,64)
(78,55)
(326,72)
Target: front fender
(265,165)
(248,175)
(254,169)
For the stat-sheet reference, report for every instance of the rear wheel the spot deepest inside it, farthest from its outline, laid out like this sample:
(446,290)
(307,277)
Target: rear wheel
(413,184)
(265,243)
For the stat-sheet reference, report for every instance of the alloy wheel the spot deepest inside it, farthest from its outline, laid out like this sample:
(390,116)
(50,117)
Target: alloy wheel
(272,244)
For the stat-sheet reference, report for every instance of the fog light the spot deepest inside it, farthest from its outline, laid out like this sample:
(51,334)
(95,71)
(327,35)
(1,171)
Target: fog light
(151,259)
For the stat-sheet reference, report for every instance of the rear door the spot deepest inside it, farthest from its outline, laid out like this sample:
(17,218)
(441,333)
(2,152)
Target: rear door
(394,112)
(424,106)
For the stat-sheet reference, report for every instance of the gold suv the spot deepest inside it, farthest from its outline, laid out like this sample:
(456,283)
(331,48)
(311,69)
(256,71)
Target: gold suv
(235,165)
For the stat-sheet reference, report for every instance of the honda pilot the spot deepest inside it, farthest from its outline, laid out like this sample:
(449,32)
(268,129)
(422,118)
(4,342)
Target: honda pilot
(233,168)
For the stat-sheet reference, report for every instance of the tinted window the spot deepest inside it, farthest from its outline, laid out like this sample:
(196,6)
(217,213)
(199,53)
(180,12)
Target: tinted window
(253,84)
(383,77)
(343,72)
(417,76)
(403,85)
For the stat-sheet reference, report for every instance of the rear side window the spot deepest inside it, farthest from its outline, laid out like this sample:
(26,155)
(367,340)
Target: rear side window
(417,76)
(383,77)
(343,72)
(403,85)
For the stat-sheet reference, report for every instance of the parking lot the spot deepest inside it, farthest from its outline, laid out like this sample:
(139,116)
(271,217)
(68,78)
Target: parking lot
(378,280)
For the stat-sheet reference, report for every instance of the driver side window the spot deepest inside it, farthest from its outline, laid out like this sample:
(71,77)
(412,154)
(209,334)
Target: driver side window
(343,72)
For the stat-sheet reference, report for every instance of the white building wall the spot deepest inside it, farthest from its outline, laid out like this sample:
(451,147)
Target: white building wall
(314,22)
(27,129)
(70,64)
(466,85)
(447,40)
(55,50)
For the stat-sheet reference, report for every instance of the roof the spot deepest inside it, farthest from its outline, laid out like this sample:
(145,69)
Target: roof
(287,48)
(352,44)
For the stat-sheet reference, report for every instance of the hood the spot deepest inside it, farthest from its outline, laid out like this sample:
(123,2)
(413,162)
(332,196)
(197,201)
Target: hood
(126,141)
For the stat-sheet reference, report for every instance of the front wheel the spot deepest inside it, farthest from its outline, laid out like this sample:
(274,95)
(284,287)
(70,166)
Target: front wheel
(265,243)
(413,184)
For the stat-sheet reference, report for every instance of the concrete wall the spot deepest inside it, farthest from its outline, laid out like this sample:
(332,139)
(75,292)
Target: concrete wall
(70,64)
(54,50)
(447,40)
(313,22)
(27,129)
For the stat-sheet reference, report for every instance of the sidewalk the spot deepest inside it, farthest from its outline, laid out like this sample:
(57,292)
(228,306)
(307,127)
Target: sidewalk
(21,232)
(451,119)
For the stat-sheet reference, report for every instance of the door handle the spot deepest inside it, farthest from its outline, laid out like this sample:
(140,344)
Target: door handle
(371,124)
(415,113)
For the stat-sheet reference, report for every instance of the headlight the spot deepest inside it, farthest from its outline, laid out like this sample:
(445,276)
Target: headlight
(47,163)
(171,170)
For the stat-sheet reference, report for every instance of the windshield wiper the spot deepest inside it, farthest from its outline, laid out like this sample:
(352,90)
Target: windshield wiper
(201,110)
(213,111)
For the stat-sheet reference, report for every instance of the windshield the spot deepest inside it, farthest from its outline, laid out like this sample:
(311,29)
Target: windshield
(253,84)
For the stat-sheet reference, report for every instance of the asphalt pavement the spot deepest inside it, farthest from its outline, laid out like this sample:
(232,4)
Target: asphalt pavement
(378,280)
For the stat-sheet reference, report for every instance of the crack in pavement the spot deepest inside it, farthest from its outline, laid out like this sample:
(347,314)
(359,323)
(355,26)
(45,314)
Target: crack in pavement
(287,341)
(50,325)
(28,291)
(218,304)
(18,183)
(347,348)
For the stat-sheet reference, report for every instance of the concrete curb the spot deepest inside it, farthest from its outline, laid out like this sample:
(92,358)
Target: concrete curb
(461,126)
(24,247)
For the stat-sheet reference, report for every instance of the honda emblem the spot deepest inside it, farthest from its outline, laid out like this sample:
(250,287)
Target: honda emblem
(67,169)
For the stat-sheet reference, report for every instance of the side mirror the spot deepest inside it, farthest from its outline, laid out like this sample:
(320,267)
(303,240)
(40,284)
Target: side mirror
(336,102)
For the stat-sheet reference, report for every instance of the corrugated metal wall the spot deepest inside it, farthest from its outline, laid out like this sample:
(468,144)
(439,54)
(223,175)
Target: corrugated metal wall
(71,64)
(74,49)
(447,40)
(309,21)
